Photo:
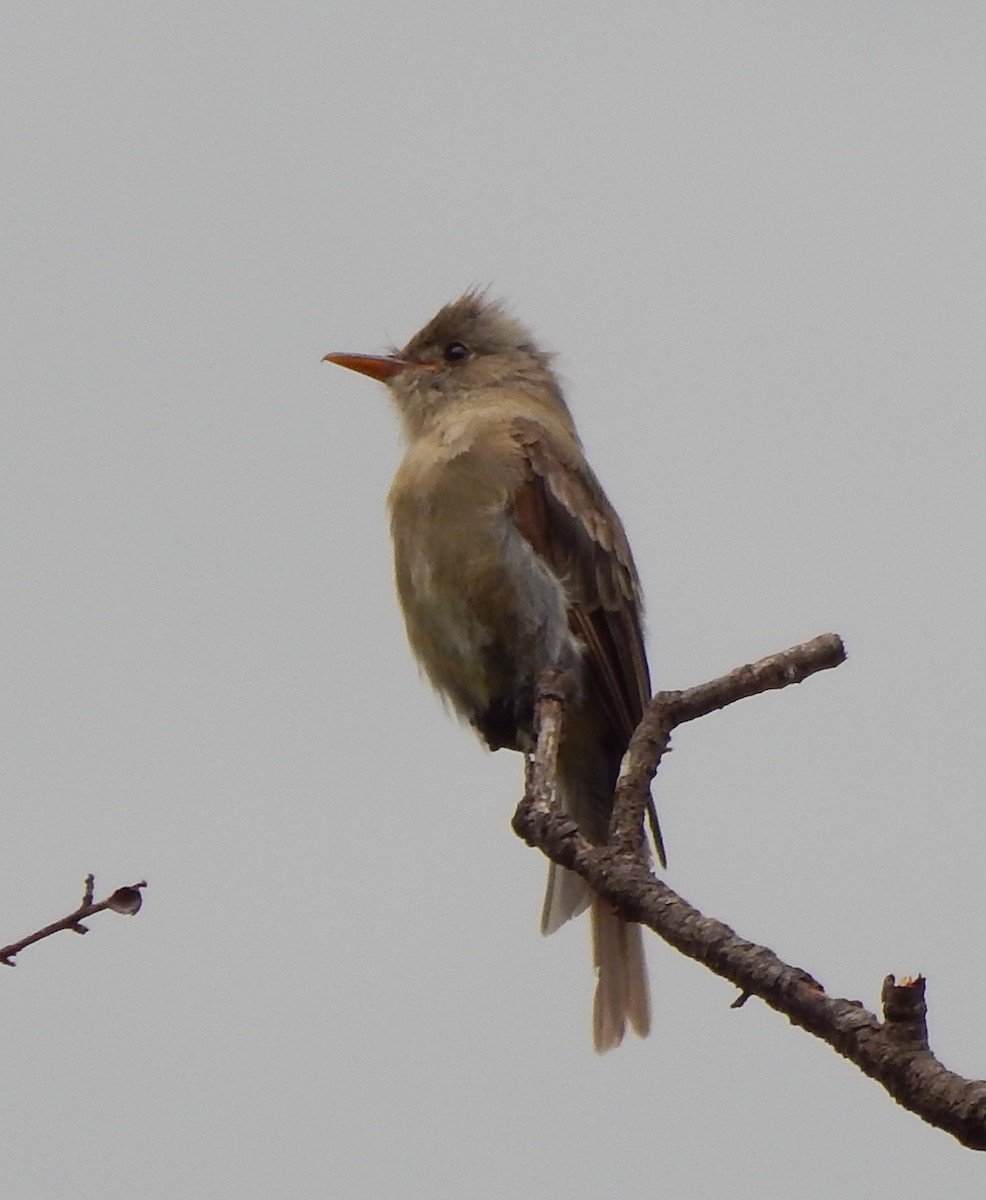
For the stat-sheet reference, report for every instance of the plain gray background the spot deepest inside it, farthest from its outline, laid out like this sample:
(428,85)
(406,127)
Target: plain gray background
(754,234)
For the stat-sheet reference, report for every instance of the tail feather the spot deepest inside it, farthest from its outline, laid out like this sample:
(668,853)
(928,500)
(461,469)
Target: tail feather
(622,995)
(565,897)
(586,793)
(621,978)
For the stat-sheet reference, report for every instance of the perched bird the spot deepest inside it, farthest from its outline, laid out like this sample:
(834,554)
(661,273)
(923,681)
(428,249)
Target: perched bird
(510,559)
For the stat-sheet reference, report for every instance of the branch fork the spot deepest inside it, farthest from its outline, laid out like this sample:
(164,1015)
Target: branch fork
(893,1050)
(125,900)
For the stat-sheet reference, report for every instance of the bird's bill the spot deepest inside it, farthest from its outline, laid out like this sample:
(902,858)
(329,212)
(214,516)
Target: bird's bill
(374,365)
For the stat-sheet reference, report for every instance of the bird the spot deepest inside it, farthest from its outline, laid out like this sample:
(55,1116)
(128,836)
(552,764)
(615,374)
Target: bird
(510,559)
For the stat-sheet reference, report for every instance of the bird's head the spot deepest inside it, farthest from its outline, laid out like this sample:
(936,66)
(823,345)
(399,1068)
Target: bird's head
(469,354)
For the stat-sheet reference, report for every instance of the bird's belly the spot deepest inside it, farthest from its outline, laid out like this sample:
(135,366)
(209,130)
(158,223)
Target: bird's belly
(484,617)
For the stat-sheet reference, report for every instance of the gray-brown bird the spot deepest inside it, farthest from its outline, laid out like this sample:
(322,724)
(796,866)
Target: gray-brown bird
(510,559)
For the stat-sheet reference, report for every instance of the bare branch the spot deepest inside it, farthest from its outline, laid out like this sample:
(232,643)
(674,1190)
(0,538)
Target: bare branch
(894,1051)
(126,900)
(668,709)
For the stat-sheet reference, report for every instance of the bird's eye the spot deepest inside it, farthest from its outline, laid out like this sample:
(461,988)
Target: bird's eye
(455,352)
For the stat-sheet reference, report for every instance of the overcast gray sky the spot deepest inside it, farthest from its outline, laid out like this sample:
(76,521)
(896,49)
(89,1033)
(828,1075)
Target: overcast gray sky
(754,235)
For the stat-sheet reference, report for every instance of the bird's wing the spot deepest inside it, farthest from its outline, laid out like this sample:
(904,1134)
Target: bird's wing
(562,511)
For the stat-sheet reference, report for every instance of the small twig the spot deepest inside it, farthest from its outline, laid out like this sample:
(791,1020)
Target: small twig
(670,709)
(126,900)
(894,1051)
(554,689)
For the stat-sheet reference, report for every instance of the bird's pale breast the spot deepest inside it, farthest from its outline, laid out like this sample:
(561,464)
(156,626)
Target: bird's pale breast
(477,600)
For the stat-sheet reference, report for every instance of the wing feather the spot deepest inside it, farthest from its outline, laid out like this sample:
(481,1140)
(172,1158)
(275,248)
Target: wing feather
(562,511)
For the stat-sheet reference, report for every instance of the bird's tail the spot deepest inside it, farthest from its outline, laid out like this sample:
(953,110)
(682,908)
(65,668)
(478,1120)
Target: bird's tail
(622,994)
(617,953)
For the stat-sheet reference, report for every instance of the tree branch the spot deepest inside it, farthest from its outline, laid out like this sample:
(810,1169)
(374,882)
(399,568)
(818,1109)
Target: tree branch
(126,900)
(894,1051)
